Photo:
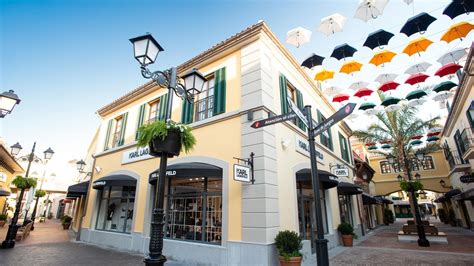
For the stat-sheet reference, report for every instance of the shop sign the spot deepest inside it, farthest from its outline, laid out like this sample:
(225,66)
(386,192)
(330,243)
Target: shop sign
(3,177)
(241,173)
(302,146)
(341,172)
(136,154)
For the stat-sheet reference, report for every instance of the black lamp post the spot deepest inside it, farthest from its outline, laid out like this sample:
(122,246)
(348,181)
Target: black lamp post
(146,49)
(422,240)
(8,100)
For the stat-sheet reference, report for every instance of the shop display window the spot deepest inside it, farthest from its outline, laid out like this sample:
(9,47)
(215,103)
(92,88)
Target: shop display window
(345,208)
(116,209)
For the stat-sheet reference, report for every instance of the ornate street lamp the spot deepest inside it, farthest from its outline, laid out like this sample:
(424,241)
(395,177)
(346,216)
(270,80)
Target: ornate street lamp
(8,100)
(390,158)
(80,166)
(420,155)
(146,49)
(15,149)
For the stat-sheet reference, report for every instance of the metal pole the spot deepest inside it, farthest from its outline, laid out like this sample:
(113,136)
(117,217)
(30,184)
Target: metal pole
(9,241)
(322,257)
(172,85)
(33,214)
(422,241)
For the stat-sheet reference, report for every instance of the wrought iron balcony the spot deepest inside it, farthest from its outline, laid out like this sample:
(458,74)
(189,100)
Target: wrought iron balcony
(456,163)
(467,143)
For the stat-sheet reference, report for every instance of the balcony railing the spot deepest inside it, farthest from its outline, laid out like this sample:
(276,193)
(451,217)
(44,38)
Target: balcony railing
(204,108)
(467,140)
(454,159)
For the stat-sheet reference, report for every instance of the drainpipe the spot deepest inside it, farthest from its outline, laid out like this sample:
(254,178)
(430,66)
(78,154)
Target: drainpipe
(84,208)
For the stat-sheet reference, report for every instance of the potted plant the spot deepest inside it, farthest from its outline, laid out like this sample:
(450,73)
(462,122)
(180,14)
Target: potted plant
(24,182)
(347,233)
(66,221)
(3,219)
(166,137)
(288,244)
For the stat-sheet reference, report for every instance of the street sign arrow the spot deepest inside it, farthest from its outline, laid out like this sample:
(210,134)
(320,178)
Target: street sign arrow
(273,120)
(336,117)
(297,111)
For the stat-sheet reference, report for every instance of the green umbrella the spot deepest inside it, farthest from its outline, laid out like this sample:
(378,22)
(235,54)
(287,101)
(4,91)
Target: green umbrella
(366,106)
(390,101)
(386,146)
(372,148)
(416,142)
(416,94)
(432,138)
(444,86)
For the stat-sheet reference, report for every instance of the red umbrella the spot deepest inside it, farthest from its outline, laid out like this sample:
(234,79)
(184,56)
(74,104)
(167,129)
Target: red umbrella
(431,134)
(416,137)
(340,98)
(448,69)
(363,92)
(389,86)
(416,78)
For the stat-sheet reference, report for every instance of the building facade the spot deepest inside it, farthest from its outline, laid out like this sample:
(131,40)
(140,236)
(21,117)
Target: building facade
(9,168)
(250,76)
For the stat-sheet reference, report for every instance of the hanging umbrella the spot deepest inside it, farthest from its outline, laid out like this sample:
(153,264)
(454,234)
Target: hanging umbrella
(382,57)
(417,46)
(432,139)
(416,102)
(408,1)
(416,78)
(441,96)
(364,92)
(417,68)
(370,144)
(431,134)
(340,98)
(298,36)
(444,86)
(435,129)
(416,142)
(343,51)
(457,31)
(386,146)
(389,86)
(312,61)
(378,39)
(416,94)
(330,91)
(368,9)
(324,75)
(350,66)
(417,137)
(459,7)
(452,56)
(358,85)
(393,107)
(332,24)
(448,69)
(418,23)
(390,101)
(371,148)
(386,77)
(367,106)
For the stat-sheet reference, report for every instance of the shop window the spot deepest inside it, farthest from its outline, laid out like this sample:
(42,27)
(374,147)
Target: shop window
(115,211)
(385,167)
(428,163)
(205,100)
(345,208)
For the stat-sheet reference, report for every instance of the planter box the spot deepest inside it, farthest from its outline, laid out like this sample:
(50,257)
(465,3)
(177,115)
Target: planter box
(292,261)
(171,145)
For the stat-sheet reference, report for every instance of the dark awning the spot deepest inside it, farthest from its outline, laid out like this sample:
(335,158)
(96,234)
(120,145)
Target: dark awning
(441,199)
(452,193)
(348,188)
(77,190)
(326,179)
(114,180)
(4,192)
(369,199)
(185,170)
(466,195)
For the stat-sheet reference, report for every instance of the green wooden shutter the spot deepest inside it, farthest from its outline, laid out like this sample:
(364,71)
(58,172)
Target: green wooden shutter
(187,113)
(330,145)
(219,92)
(344,147)
(300,105)
(283,94)
(163,105)
(122,130)
(107,136)
(141,118)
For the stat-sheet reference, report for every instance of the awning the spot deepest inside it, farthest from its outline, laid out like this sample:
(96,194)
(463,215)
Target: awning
(4,192)
(441,199)
(77,190)
(326,179)
(114,180)
(348,188)
(452,193)
(466,195)
(369,199)
(386,201)
(185,170)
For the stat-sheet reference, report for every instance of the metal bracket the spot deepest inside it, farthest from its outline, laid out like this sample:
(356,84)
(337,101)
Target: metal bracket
(338,166)
(248,161)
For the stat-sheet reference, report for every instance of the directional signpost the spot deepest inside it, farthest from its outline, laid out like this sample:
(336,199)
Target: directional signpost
(321,243)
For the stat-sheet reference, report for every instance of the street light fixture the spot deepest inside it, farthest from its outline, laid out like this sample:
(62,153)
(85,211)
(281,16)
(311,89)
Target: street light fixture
(146,49)
(48,153)
(400,178)
(80,166)
(391,158)
(15,149)
(8,100)
(420,155)
(417,176)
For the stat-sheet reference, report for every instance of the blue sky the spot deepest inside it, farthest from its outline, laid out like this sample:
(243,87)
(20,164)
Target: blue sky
(66,59)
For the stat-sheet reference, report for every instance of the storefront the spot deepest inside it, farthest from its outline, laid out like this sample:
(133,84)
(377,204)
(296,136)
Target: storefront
(466,202)
(370,204)
(345,192)
(78,193)
(9,168)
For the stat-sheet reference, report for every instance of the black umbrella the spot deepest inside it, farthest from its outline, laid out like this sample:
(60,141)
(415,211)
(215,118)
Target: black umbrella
(378,38)
(343,51)
(418,23)
(312,61)
(459,7)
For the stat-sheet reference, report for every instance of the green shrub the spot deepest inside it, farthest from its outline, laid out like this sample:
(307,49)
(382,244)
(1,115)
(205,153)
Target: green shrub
(3,217)
(24,182)
(40,193)
(288,244)
(346,229)
(407,185)
(159,128)
(66,219)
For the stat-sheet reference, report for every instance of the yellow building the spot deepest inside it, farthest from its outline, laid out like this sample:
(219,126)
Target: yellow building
(249,77)
(458,144)
(9,168)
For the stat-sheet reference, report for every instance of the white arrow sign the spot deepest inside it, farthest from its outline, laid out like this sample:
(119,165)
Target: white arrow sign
(297,111)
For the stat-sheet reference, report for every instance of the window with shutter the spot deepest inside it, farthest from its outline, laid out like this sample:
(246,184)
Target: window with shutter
(326,136)
(344,148)
(107,135)
(219,92)
(141,118)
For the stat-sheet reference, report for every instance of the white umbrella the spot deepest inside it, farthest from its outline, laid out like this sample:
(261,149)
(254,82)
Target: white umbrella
(332,24)
(298,36)
(416,102)
(452,56)
(330,91)
(417,68)
(393,107)
(386,77)
(358,85)
(368,9)
(444,95)
(408,1)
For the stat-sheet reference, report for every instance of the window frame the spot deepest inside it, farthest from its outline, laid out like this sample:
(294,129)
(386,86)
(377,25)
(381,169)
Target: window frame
(157,103)
(326,141)
(424,163)
(208,111)
(389,167)
(117,132)
(344,150)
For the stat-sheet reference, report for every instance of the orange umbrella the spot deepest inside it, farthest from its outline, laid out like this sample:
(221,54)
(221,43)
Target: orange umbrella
(457,31)
(324,74)
(350,66)
(417,46)
(382,57)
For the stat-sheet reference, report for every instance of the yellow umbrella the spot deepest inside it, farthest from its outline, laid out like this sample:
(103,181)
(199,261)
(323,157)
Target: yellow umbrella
(350,66)
(324,74)
(382,57)
(457,31)
(417,46)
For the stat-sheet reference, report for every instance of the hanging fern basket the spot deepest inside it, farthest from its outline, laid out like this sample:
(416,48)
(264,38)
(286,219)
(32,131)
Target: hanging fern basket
(170,144)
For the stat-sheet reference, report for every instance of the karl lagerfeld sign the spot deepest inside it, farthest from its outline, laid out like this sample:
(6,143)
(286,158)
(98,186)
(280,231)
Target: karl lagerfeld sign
(241,173)
(136,154)
(302,146)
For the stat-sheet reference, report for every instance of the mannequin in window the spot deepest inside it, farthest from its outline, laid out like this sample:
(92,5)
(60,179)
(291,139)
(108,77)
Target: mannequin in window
(110,211)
